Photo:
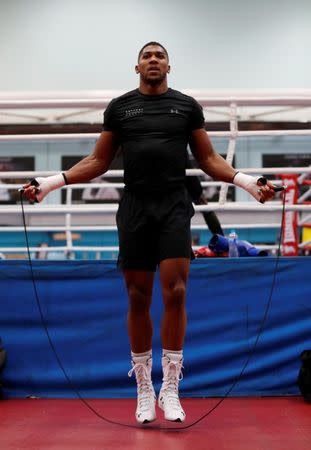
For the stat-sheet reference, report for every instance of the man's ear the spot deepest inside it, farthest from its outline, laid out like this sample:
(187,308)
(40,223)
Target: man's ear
(168,69)
(136,69)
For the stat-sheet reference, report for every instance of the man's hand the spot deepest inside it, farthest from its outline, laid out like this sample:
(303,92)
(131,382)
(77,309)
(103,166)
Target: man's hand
(260,188)
(39,187)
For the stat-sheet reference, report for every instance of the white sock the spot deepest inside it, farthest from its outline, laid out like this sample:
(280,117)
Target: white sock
(172,352)
(147,355)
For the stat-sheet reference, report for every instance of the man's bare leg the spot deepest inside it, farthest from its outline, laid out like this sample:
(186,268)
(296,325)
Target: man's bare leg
(173,275)
(139,287)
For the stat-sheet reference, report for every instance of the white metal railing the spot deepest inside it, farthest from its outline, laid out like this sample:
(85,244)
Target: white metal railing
(47,106)
(101,98)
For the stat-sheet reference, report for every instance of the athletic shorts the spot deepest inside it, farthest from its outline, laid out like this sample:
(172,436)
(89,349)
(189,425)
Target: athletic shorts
(152,228)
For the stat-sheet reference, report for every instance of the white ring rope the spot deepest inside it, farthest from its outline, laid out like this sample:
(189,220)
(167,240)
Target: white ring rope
(94,136)
(112,208)
(195,172)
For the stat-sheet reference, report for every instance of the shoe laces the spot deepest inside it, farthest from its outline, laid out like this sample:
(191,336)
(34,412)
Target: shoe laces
(172,372)
(145,389)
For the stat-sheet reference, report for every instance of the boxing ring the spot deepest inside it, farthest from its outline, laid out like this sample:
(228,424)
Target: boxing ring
(84,307)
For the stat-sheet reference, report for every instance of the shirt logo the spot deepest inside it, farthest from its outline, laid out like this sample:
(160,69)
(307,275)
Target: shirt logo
(174,111)
(133,112)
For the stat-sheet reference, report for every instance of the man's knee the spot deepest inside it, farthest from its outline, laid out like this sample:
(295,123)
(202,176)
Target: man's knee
(139,298)
(174,296)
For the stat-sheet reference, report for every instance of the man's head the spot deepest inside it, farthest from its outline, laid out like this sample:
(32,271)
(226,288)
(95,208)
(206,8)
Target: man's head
(153,63)
(153,44)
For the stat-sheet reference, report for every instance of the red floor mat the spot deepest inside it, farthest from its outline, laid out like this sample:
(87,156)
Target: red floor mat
(238,424)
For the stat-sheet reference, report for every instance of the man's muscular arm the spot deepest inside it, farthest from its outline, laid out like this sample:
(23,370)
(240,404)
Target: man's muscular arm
(97,162)
(85,170)
(218,168)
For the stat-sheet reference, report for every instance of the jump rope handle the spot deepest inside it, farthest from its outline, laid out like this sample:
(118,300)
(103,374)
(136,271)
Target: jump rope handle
(280,188)
(263,181)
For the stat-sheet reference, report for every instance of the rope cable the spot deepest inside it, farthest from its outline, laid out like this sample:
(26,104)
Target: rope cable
(148,426)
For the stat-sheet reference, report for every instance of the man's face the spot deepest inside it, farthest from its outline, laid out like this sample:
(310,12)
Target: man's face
(153,65)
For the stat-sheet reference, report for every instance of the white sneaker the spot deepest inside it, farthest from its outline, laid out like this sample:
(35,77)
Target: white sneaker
(146,398)
(168,397)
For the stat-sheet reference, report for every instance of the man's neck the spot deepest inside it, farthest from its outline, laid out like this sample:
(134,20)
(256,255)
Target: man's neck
(148,89)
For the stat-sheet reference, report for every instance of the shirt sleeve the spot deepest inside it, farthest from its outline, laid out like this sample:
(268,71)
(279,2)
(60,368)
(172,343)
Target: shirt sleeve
(109,123)
(197,117)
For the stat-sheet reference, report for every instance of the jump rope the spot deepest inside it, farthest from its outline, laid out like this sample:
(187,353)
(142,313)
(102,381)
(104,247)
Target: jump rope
(149,426)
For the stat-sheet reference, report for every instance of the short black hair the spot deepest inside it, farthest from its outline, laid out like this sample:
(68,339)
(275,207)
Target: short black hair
(152,43)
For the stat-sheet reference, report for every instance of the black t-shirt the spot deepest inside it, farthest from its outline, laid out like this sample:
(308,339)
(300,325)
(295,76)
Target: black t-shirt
(153,131)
